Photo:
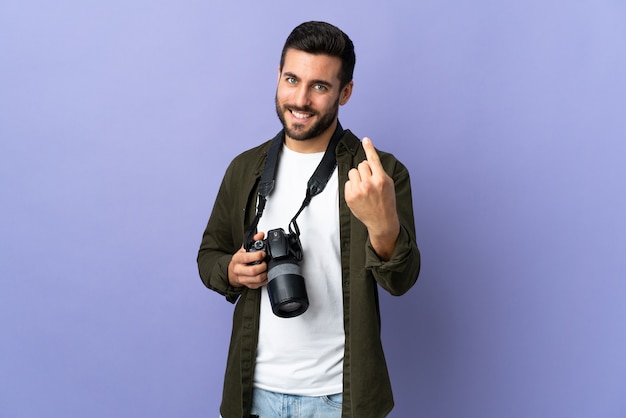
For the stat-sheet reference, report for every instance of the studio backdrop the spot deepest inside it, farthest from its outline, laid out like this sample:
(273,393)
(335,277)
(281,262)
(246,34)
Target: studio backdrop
(117,122)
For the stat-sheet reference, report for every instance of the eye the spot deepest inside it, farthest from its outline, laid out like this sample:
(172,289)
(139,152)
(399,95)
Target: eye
(320,87)
(291,80)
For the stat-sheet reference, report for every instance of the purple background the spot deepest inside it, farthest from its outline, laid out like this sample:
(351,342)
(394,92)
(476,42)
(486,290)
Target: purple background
(117,121)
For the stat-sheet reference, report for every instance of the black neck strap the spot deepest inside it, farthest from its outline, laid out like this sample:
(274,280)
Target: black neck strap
(315,186)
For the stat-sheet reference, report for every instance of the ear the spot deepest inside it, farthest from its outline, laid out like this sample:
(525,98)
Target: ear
(345,94)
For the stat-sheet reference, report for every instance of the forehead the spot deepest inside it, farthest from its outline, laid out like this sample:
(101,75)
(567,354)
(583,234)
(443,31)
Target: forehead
(308,66)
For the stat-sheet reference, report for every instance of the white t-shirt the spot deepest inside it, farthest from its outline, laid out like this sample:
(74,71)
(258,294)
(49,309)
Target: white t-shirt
(304,355)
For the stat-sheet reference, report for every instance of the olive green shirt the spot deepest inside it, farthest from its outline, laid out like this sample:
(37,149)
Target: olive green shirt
(366,385)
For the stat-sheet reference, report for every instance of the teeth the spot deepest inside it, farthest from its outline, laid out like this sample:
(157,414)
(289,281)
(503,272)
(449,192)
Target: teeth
(301,115)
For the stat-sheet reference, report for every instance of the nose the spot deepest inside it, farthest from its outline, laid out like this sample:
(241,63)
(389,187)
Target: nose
(301,96)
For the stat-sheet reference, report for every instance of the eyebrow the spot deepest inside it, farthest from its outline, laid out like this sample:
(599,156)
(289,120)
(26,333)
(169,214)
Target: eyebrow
(322,82)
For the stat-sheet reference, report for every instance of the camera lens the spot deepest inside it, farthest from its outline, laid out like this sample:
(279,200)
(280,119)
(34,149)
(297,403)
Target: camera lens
(290,306)
(286,289)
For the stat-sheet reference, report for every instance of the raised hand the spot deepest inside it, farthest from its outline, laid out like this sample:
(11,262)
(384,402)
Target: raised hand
(370,195)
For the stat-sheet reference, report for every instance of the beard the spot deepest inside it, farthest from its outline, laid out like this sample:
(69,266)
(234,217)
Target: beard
(297,131)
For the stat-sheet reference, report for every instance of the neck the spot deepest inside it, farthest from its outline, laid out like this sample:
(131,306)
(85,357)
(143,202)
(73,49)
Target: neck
(311,145)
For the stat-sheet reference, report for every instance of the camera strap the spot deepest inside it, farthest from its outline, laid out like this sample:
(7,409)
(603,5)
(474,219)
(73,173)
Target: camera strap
(315,185)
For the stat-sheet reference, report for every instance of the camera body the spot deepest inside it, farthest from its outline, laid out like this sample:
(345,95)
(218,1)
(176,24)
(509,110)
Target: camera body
(285,287)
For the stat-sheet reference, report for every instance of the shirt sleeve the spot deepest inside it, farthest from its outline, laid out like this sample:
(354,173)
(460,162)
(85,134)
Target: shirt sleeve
(399,273)
(218,244)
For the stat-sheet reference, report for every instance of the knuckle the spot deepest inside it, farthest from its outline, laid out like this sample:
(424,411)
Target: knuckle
(378,182)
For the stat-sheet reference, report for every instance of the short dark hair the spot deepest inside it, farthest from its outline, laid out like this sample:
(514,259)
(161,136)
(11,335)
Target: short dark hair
(323,38)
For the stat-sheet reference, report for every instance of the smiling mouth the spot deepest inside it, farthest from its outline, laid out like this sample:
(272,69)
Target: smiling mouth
(300,115)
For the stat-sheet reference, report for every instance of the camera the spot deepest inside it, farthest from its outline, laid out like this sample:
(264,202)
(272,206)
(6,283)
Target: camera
(285,286)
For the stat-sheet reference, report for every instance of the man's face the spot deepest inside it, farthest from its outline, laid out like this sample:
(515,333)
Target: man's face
(309,94)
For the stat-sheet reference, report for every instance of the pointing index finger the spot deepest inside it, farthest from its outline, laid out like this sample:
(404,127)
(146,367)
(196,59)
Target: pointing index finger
(371,154)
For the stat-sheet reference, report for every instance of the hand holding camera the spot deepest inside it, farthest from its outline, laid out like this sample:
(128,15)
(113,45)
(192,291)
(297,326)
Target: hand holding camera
(248,268)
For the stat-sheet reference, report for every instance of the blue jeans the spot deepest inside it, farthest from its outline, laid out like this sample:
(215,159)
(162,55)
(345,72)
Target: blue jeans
(277,405)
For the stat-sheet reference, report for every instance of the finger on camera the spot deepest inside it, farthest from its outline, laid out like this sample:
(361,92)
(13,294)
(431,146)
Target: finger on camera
(254,257)
(256,269)
(256,280)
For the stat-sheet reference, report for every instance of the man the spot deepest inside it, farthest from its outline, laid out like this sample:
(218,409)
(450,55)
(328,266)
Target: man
(356,234)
